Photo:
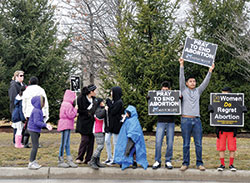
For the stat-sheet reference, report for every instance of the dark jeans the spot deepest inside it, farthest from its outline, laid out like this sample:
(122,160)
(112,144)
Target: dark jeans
(86,145)
(191,126)
(35,143)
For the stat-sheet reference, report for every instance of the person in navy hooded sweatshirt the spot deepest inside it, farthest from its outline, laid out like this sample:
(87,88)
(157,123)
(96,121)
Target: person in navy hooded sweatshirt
(35,124)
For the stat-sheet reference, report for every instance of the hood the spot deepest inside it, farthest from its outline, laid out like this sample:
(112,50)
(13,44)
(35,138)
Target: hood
(100,112)
(132,110)
(36,102)
(69,96)
(117,93)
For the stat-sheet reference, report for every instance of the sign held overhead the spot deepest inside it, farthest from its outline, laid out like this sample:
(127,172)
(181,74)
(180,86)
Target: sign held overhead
(199,52)
(75,84)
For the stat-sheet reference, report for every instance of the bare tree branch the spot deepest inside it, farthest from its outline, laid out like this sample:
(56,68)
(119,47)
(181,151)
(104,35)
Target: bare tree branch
(92,24)
(239,40)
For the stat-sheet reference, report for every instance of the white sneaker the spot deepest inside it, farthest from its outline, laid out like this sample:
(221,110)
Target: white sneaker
(168,165)
(34,165)
(106,161)
(111,163)
(232,168)
(37,165)
(156,165)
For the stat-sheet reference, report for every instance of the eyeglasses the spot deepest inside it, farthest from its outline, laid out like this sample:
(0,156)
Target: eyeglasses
(21,75)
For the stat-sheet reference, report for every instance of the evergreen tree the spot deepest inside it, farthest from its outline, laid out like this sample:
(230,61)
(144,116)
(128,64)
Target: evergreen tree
(146,54)
(29,43)
(3,86)
(206,20)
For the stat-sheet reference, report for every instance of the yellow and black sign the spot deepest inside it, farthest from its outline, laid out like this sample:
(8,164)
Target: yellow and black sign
(227,109)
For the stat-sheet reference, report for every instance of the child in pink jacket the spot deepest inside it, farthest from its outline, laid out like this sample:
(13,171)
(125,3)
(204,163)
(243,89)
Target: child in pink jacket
(99,133)
(68,112)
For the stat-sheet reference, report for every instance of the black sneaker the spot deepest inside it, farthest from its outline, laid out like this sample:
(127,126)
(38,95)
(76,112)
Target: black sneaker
(232,168)
(221,168)
(156,165)
(134,165)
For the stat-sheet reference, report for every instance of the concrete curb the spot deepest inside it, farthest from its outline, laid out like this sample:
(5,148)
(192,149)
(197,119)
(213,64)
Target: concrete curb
(23,173)
(117,174)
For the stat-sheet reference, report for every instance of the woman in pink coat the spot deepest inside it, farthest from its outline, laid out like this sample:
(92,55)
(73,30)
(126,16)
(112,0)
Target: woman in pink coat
(68,112)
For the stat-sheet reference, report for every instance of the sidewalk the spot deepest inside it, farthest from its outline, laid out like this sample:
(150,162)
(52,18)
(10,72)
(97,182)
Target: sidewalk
(118,174)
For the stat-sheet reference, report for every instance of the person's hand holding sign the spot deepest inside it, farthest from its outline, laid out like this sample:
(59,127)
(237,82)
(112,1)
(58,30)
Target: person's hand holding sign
(181,60)
(211,68)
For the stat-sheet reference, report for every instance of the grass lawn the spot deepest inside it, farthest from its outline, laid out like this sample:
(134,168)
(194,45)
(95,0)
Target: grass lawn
(47,155)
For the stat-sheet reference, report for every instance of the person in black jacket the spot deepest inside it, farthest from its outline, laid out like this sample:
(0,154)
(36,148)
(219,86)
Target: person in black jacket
(115,110)
(15,86)
(86,108)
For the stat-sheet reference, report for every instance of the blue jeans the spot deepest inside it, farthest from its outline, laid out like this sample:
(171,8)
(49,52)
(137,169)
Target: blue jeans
(108,144)
(191,126)
(65,143)
(160,132)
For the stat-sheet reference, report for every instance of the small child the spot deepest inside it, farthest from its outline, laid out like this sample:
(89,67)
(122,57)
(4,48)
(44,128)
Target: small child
(18,118)
(130,148)
(35,124)
(99,133)
(68,113)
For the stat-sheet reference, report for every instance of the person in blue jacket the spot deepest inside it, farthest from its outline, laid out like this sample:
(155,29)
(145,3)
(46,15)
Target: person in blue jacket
(130,148)
(35,124)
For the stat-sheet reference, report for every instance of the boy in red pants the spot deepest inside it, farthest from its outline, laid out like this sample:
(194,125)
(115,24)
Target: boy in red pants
(226,135)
